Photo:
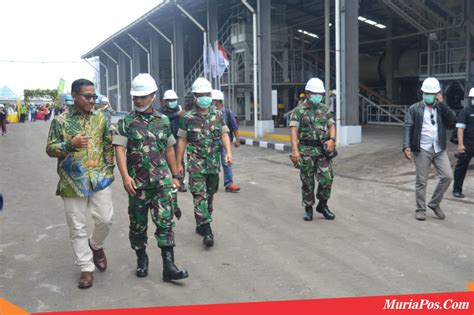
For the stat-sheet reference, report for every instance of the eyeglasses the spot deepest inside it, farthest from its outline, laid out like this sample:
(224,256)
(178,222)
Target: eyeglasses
(89,96)
(433,122)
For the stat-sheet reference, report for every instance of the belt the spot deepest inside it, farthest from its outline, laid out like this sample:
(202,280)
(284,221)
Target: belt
(311,143)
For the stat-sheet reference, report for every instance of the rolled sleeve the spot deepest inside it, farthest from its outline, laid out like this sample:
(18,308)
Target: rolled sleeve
(462,126)
(294,123)
(225,129)
(331,121)
(171,141)
(182,133)
(119,140)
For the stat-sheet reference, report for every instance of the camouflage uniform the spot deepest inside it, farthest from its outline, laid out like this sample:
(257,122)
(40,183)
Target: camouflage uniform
(146,137)
(203,134)
(312,122)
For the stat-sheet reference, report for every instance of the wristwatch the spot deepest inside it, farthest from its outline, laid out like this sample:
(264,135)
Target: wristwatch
(177,177)
(333,139)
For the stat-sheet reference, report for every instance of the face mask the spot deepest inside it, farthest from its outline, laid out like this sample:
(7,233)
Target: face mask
(69,103)
(472,102)
(429,98)
(204,101)
(172,104)
(144,108)
(316,98)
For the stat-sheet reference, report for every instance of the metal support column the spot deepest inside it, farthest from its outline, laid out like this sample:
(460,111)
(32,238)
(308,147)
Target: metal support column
(119,100)
(173,83)
(267,125)
(144,48)
(130,60)
(179,48)
(327,57)
(204,33)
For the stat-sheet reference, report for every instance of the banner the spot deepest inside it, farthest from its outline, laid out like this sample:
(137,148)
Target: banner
(61,84)
(212,62)
(223,60)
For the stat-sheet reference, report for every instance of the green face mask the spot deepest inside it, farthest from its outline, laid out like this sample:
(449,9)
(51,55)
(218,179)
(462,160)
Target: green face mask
(316,98)
(429,98)
(173,104)
(204,101)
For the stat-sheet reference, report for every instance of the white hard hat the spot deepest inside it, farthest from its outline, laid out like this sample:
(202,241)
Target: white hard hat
(143,84)
(471,92)
(315,85)
(430,85)
(170,95)
(105,100)
(217,95)
(2,106)
(334,92)
(201,85)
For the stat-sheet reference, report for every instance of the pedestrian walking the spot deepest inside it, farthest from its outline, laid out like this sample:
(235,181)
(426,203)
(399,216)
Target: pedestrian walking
(424,140)
(3,119)
(173,111)
(313,140)
(81,141)
(201,131)
(231,123)
(145,154)
(465,125)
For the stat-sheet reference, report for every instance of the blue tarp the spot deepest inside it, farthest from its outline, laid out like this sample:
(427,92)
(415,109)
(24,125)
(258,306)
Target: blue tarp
(6,94)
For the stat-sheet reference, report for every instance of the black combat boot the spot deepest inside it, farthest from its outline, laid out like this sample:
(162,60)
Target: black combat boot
(208,239)
(170,271)
(324,210)
(199,230)
(308,213)
(142,263)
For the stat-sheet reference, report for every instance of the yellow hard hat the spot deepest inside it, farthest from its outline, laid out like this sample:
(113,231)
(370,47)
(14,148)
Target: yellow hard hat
(302,94)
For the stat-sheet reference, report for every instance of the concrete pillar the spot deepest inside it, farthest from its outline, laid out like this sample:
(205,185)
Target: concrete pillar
(392,53)
(124,73)
(266,120)
(179,48)
(350,131)
(136,55)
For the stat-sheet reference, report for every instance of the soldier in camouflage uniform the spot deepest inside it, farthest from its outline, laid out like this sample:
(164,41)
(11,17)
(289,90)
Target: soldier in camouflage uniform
(144,149)
(312,134)
(201,131)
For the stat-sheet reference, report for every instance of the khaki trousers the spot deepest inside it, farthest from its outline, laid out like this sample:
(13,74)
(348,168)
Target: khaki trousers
(100,207)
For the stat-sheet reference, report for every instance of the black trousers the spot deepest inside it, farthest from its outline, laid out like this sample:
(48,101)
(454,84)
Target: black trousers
(460,169)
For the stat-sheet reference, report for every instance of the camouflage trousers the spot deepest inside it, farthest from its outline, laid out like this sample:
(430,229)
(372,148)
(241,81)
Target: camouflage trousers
(319,167)
(160,203)
(203,187)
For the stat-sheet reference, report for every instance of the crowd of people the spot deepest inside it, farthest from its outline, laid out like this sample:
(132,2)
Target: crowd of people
(148,146)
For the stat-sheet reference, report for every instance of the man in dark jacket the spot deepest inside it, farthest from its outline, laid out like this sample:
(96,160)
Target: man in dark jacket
(424,139)
(465,125)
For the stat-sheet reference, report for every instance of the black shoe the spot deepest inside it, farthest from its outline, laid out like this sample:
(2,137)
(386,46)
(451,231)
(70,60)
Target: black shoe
(324,210)
(208,239)
(308,213)
(458,194)
(142,263)
(170,271)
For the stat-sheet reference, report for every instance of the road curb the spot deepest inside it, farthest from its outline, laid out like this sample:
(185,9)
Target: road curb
(282,147)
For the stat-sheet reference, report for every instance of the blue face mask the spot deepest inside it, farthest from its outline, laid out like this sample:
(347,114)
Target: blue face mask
(204,101)
(429,98)
(173,104)
(316,98)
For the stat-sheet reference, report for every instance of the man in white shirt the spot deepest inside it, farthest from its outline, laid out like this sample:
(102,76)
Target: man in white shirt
(425,140)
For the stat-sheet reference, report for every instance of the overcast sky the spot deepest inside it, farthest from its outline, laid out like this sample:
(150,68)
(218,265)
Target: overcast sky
(46,38)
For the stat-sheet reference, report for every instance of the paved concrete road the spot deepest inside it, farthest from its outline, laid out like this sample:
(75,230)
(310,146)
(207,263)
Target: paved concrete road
(264,250)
